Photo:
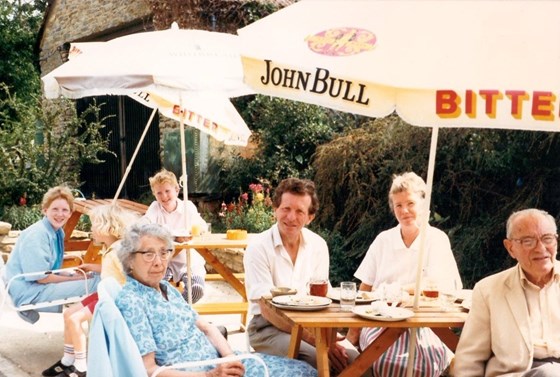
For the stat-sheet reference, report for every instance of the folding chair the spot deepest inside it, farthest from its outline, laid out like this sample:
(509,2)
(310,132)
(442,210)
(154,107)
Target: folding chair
(112,351)
(5,298)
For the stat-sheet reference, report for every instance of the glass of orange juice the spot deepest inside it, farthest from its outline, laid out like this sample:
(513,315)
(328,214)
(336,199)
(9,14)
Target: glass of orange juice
(195,230)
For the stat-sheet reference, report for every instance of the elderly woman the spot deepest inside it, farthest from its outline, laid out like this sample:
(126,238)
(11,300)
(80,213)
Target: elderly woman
(165,328)
(392,258)
(40,247)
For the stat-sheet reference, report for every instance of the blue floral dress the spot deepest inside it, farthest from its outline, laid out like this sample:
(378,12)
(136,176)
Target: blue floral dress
(168,328)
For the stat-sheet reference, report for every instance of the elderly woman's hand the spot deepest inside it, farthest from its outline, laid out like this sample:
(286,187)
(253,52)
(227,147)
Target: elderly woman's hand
(233,369)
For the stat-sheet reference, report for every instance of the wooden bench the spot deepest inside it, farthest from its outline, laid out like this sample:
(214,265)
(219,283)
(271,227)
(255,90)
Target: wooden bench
(218,277)
(224,308)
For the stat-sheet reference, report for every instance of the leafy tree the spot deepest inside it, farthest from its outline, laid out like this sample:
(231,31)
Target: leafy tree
(285,137)
(19,24)
(42,146)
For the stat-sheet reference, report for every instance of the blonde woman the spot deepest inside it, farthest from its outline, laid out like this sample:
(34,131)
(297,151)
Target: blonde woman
(40,247)
(108,223)
(393,258)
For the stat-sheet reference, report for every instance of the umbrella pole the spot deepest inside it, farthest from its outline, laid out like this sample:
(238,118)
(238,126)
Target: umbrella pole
(129,167)
(184,182)
(423,227)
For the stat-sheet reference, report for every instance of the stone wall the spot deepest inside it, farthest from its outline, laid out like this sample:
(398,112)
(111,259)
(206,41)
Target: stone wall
(231,258)
(7,238)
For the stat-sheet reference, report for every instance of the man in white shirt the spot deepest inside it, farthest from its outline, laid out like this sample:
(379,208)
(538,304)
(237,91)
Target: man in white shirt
(287,255)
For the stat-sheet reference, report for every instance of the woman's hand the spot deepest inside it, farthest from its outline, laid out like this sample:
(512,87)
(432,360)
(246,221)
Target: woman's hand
(90,267)
(353,336)
(233,369)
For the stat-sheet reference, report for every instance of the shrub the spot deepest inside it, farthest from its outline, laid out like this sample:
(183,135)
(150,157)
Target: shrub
(42,146)
(21,216)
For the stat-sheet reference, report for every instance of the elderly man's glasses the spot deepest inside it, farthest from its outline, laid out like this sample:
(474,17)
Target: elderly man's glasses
(150,255)
(531,242)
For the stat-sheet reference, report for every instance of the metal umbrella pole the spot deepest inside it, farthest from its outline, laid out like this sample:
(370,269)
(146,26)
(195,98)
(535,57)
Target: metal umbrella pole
(129,167)
(423,227)
(184,183)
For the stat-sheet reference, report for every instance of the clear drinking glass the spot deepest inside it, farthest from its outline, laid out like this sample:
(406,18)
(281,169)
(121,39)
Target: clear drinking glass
(347,296)
(392,293)
(447,296)
(207,231)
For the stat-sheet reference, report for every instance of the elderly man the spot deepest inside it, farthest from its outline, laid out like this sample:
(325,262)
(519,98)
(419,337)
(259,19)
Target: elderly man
(289,255)
(513,328)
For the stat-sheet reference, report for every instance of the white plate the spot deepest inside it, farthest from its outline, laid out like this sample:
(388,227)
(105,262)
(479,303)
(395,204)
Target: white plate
(389,314)
(466,304)
(363,297)
(464,294)
(299,308)
(301,300)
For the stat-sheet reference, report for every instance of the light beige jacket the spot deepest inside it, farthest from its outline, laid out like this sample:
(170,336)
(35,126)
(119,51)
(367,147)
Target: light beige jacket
(496,339)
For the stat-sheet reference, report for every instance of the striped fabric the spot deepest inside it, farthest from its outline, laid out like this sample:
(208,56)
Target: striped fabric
(432,355)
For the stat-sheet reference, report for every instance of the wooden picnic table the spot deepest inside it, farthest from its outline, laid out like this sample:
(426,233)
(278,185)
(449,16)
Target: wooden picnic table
(206,246)
(324,324)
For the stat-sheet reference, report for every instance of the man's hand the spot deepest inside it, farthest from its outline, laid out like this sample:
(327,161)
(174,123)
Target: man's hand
(338,357)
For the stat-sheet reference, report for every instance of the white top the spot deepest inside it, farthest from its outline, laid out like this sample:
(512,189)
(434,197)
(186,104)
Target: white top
(388,260)
(267,264)
(175,221)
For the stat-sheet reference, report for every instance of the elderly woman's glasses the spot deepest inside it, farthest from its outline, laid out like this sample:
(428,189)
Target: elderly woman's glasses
(150,255)
(531,242)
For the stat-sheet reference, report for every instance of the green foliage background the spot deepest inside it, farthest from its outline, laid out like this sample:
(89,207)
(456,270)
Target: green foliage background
(41,145)
(481,176)
(286,135)
(19,23)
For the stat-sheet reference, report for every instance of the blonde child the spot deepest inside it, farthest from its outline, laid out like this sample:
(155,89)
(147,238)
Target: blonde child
(169,211)
(108,223)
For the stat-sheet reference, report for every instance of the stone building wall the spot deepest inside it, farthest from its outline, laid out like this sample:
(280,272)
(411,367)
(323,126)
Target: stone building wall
(88,20)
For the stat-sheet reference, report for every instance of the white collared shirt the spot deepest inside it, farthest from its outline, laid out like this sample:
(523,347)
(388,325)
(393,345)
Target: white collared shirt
(389,260)
(267,264)
(544,315)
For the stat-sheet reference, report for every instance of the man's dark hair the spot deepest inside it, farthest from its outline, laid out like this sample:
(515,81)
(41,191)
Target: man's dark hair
(297,186)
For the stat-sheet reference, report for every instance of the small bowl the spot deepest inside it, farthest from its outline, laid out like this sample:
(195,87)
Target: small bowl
(182,239)
(281,291)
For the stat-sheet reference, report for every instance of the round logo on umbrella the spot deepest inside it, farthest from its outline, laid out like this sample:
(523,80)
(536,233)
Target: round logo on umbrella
(341,41)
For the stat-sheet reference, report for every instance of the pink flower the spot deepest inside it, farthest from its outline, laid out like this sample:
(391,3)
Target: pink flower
(245,196)
(256,187)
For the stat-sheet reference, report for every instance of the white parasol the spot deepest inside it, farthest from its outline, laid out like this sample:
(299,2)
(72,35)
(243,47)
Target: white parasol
(484,64)
(188,75)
